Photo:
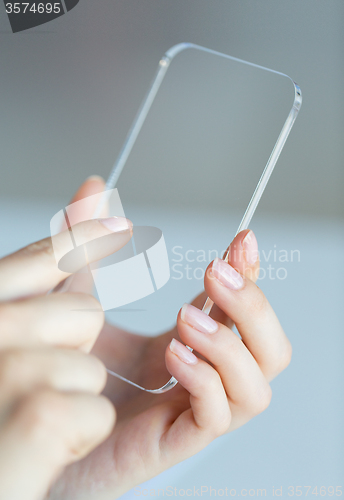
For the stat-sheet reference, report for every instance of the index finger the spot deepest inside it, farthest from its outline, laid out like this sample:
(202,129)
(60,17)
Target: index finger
(243,255)
(34,269)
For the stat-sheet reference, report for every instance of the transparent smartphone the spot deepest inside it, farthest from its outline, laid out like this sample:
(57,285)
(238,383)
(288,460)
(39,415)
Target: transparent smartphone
(205,142)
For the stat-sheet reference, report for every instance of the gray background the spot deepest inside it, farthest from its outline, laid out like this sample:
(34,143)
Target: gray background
(69,91)
(70,88)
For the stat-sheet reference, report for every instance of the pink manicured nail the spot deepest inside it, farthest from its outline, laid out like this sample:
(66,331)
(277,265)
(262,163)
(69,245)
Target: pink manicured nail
(227,275)
(198,319)
(183,352)
(250,246)
(117,224)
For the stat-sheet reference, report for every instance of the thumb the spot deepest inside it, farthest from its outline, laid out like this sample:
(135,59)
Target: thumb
(90,192)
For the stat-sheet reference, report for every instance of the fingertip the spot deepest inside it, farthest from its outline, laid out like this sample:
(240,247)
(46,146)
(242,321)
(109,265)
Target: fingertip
(243,254)
(250,246)
(182,370)
(101,373)
(95,422)
(95,178)
(182,352)
(92,185)
(109,412)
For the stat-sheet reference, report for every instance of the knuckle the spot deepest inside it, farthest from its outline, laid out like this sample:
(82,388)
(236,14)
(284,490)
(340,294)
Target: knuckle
(39,247)
(263,400)
(88,302)
(221,419)
(12,367)
(99,380)
(285,357)
(43,411)
(234,346)
(8,319)
(7,315)
(98,318)
(280,360)
(3,315)
(222,424)
(213,383)
(42,415)
(259,303)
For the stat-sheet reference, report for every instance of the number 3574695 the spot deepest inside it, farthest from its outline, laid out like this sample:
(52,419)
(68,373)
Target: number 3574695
(35,8)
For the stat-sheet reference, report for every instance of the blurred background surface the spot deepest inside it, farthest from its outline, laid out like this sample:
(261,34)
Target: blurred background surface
(69,92)
(71,88)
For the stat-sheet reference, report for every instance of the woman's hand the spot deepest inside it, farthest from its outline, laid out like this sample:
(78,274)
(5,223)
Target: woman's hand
(222,385)
(51,413)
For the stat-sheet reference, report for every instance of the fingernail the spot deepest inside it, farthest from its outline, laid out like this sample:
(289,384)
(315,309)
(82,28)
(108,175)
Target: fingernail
(227,275)
(250,246)
(198,319)
(95,178)
(117,224)
(183,352)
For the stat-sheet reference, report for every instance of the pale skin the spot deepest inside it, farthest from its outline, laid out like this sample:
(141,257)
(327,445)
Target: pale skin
(60,438)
